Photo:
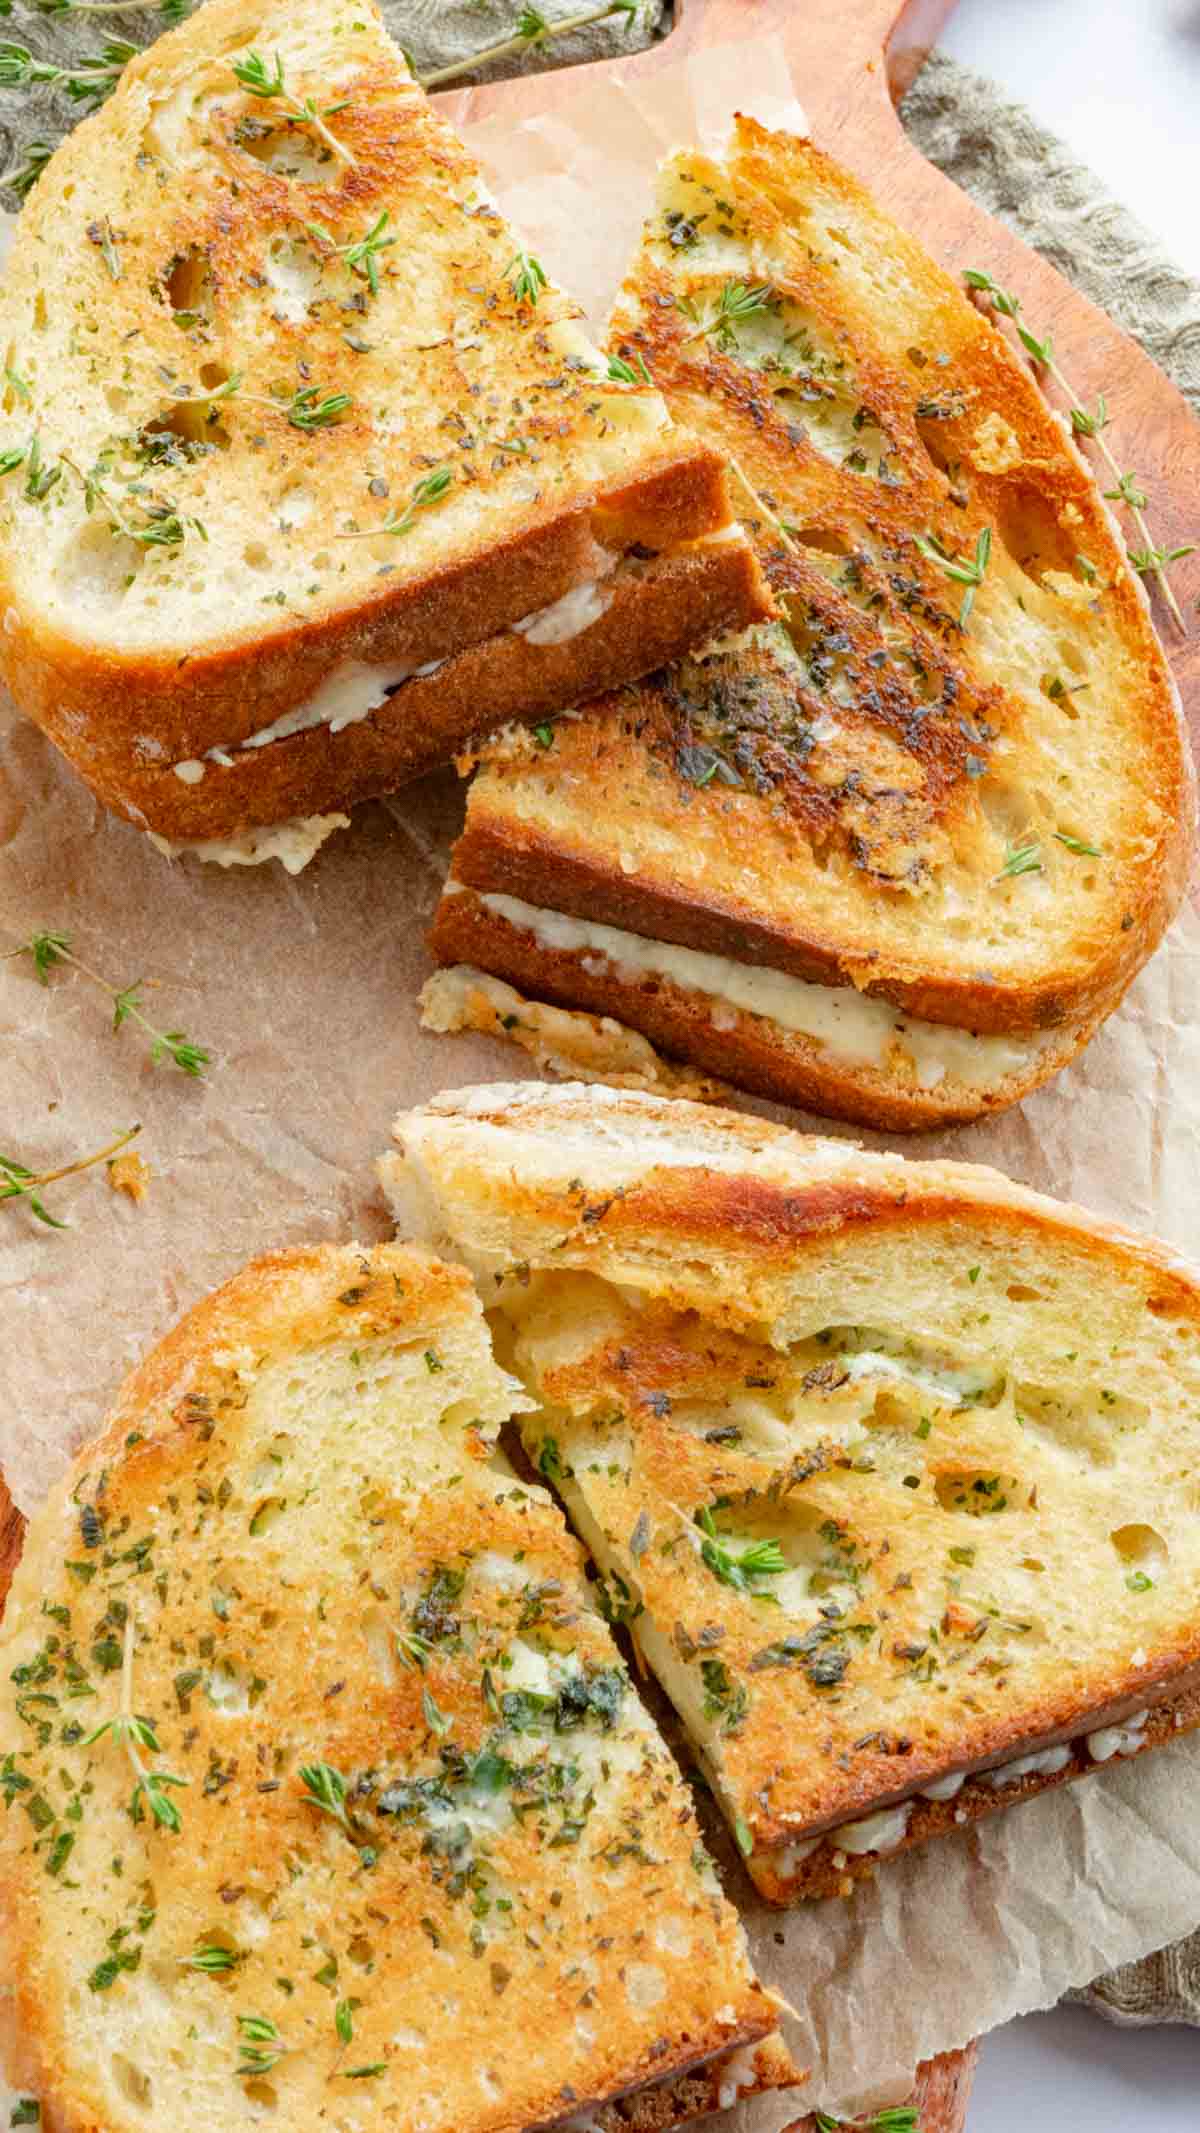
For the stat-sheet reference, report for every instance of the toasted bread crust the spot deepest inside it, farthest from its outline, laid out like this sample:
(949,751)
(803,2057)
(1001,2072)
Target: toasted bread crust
(657,608)
(745,1049)
(940,2098)
(205,560)
(167,1466)
(833,1872)
(747,1248)
(852,804)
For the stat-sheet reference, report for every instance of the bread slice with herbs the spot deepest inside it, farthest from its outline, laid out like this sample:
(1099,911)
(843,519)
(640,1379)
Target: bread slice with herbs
(888,1466)
(949,792)
(321,1766)
(309,472)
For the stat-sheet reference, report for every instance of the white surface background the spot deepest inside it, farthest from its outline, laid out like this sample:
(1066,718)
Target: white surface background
(1119,80)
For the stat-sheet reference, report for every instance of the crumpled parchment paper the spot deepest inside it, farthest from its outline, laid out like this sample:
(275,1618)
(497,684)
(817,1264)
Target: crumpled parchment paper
(304,991)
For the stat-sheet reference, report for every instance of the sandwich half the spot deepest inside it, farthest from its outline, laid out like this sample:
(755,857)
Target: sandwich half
(329,1799)
(894,856)
(889,1467)
(309,473)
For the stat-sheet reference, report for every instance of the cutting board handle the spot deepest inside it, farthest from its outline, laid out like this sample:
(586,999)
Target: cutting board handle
(891,38)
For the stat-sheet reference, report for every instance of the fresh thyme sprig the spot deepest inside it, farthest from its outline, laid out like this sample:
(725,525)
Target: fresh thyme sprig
(1023,858)
(261,2047)
(898,2118)
(762,1559)
(253,76)
(153,1788)
(362,253)
(20,178)
(738,300)
(308,408)
(526,277)
(1146,560)
(88,82)
(211,1958)
(47,949)
(426,492)
(623,373)
(326,1789)
(170,10)
(965,570)
(531,30)
(17,1182)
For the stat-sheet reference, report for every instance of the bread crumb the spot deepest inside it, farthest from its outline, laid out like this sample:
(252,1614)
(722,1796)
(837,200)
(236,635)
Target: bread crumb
(1070,589)
(995,447)
(128,1174)
(564,1041)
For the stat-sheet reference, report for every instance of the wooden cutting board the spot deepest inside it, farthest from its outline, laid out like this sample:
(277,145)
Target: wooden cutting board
(851,59)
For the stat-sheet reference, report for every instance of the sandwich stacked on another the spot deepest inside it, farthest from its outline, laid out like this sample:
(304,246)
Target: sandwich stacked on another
(307,473)
(329,1800)
(896,856)
(890,1467)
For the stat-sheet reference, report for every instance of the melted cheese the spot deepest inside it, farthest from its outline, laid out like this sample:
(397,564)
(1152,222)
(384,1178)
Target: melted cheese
(346,696)
(1043,1764)
(944,1788)
(880,1832)
(1118,1740)
(292,843)
(567,617)
(846,1023)
(350,693)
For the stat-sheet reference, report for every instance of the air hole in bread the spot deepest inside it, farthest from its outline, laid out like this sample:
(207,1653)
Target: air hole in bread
(1072,1429)
(1030,531)
(294,276)
(1020,1292)
(228,1691)
(977,1493)
(97,565)
(933,437)
(293,505)
(361,1951)
(1141,1547)
(379,1637)
(41,317)
(185,429)
(262,2092)
(288,151)
(186,284)
(134,2083)
(267,1513)
(825,538)
(256,555)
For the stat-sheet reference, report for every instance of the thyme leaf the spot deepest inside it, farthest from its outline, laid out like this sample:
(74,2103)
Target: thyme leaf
(45,949)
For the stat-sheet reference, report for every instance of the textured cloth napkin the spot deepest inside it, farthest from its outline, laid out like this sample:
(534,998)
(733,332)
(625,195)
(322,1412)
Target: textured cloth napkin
(991,147)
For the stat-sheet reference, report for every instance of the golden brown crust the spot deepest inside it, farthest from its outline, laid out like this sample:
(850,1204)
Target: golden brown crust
(832,1872)
(940,2098)
(842,801)
(259,1506)
(658,607)
(862,1362)
(745,1049)
(219,565)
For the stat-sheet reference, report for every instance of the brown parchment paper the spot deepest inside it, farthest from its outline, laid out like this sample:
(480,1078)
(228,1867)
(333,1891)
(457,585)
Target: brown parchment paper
(304,990)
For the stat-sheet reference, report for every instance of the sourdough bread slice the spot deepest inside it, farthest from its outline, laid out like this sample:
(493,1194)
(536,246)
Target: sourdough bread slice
(321,1766)
(971,804)
(888,1465)
(310,473)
